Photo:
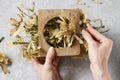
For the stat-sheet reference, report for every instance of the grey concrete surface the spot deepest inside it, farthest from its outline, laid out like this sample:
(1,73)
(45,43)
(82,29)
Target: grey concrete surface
(70,69)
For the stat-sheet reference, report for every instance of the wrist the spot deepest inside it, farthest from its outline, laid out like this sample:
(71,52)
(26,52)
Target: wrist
(100,73)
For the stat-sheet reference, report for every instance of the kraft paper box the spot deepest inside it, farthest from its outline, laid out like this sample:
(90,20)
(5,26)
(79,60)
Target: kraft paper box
(44,15)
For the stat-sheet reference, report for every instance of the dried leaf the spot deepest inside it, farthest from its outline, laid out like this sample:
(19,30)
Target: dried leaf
(13,31)
(1,39)
(96,2)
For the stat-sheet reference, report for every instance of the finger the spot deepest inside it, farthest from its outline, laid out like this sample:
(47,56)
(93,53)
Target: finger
(35,64)
(56,61)
(50,56)
(95,33)
(88,37)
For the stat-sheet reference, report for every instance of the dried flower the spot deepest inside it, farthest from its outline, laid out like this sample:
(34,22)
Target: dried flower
(4,61)
(59,31)
(28,26)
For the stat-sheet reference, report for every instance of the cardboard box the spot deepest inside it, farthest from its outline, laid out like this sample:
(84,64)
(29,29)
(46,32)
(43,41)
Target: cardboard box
(44,15)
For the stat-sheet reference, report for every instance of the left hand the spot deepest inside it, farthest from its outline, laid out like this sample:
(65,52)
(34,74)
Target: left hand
(48,70)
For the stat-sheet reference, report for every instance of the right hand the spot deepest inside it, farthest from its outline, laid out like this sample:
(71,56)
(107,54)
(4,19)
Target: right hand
(99,49)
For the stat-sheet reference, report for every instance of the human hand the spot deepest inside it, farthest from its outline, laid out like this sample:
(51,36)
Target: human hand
(99,49)
(48,70)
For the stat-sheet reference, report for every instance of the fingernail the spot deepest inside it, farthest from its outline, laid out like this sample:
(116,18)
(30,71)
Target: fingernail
(83,31)
(88,24)
(51,49)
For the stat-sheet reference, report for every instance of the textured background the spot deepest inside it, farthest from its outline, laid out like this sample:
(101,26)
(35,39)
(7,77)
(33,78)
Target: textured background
(70,69)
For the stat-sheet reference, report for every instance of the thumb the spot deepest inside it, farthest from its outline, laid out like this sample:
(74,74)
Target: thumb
(86,35)
(50,56)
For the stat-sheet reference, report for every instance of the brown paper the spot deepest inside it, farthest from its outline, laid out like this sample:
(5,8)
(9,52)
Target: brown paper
(44,15)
